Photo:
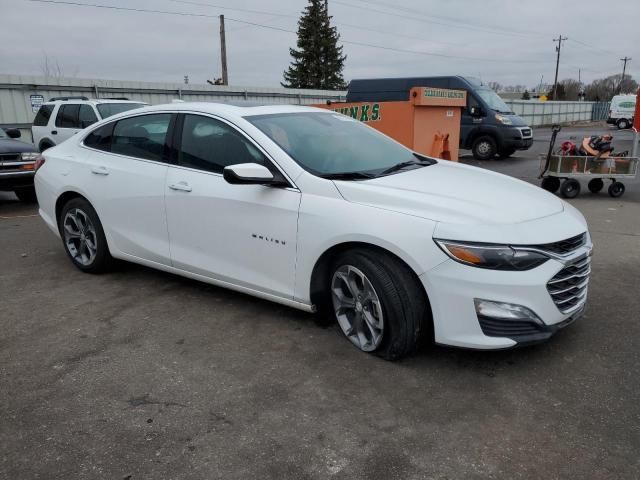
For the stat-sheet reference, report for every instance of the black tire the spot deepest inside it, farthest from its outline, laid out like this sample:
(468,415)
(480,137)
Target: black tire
(506,153)
(26,194)
(616,189)
(570,188)
(550,184)
(45,146)
(102,260)
(405,308)
(595,185)
(623,124)
(484,148)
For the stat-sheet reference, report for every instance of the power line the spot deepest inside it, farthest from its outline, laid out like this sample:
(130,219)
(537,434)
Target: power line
(269,27)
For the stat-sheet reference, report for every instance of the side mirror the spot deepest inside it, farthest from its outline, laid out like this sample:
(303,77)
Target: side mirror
(249,174)
(13,133)
(476,112)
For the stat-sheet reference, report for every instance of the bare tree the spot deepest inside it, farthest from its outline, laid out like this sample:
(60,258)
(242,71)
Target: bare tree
(51,68)
(571,89)
(495,86)
(605,88)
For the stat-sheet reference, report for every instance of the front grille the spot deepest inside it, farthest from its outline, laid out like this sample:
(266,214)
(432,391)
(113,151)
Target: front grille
(568,288)
(9,157)
(564,246)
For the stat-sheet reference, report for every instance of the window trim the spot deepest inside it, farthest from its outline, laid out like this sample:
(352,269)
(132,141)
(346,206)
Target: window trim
(177,139)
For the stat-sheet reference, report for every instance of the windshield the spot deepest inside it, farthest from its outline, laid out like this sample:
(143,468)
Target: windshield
(493,100)
(329,144)
(108,109)
(3,134)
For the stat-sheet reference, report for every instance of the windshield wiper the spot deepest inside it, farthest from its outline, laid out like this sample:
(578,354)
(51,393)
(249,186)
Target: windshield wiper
(399,166)
(347,176)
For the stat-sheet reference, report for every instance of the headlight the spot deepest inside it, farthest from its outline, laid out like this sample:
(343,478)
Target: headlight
(503,120)
(29,156)
(494,257)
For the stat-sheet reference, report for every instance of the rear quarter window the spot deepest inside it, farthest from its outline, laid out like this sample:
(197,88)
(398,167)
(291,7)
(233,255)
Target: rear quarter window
(43,116)
(100,138)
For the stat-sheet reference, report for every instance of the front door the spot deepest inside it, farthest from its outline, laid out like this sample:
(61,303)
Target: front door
(241,234)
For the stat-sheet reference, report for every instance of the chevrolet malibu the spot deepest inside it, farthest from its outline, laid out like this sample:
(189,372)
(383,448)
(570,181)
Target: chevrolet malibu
(314,210)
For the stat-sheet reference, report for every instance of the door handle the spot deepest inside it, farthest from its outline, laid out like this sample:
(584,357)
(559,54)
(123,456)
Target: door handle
(100,170)
(180,186)
(54,132)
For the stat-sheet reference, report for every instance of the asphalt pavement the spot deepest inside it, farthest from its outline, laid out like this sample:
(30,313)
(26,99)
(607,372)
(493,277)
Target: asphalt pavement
(139,374)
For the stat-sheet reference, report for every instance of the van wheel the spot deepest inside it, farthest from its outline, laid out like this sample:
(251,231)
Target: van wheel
(623,124)
(83,237)
(484,148)
(378,303)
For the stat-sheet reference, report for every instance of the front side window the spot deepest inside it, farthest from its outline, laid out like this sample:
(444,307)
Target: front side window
(327,144)
(43,116)
(143,137)
(68,116)
(208,144)
(86,116)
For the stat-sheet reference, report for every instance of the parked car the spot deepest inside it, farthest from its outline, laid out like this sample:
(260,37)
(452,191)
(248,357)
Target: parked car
(488,127)
(315,210)
(622,110)
(17,165)
(63,117)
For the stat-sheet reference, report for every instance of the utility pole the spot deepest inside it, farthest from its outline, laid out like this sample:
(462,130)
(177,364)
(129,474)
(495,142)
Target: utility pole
(560,39)
(624,70)
(223,52)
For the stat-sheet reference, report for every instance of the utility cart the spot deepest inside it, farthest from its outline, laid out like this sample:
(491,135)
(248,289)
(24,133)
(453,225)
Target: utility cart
(564,171)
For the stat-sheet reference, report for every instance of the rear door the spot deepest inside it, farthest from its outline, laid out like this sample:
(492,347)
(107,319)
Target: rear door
(241,234)
(126,177)
(67,122)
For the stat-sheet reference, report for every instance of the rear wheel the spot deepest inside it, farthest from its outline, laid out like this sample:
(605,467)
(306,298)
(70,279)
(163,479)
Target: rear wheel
(83,237)
(570,188)
(378,303)
(623,124)
(26,194)
(484,148)
(616,189)
(595,185)
(45,146)
(550,184)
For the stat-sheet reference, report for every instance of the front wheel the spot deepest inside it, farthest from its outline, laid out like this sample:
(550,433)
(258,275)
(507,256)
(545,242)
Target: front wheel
(378,303)
(570,188)
(616,189)
(83,237)
(484,148)
(623,124)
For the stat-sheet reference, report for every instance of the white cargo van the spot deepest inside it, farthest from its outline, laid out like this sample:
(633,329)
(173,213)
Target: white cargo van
(621,110)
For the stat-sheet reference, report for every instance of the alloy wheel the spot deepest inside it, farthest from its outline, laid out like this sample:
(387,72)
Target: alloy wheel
(79,236)
(357,308)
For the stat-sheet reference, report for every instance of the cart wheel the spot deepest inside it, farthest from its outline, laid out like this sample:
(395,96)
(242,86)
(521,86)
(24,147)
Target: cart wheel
(570,188)
(616,189)
(595,185)
(551,184)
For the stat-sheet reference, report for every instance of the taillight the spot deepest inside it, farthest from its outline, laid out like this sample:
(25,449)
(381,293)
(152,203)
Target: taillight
(39,162)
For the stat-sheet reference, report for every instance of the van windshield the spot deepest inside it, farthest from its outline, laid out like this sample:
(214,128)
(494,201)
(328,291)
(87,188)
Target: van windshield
(493,101)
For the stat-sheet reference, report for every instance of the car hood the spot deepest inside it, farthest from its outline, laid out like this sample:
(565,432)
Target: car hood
(9,145)
(452,193)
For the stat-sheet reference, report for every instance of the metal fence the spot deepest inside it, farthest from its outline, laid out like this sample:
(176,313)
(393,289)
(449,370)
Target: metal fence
(537,113)
(19,95)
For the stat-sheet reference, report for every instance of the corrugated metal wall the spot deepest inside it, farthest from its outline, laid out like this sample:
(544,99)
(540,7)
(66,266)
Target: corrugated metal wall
(16,91)
(537,113)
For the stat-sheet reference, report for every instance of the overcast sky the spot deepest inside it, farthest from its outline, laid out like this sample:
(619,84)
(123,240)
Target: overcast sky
(509,41)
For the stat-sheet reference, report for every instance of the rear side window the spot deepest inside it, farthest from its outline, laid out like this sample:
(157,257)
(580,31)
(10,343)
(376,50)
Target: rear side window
(143,137)
(100,138)
(43,116)
(86,116)
(68,116)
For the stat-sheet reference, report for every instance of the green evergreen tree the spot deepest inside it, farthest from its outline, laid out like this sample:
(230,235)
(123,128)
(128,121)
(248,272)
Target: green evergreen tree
(318,61)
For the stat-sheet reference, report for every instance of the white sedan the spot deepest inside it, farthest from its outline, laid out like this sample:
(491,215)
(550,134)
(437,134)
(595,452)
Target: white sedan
(317,211)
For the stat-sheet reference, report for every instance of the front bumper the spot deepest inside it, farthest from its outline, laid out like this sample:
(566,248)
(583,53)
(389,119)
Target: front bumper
(13,180)
(452,288)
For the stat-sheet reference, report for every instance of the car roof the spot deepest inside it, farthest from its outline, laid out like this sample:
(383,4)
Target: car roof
(94,101)
(239,109)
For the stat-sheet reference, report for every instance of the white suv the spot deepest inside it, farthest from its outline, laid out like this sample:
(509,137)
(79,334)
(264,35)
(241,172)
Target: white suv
(62,117)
